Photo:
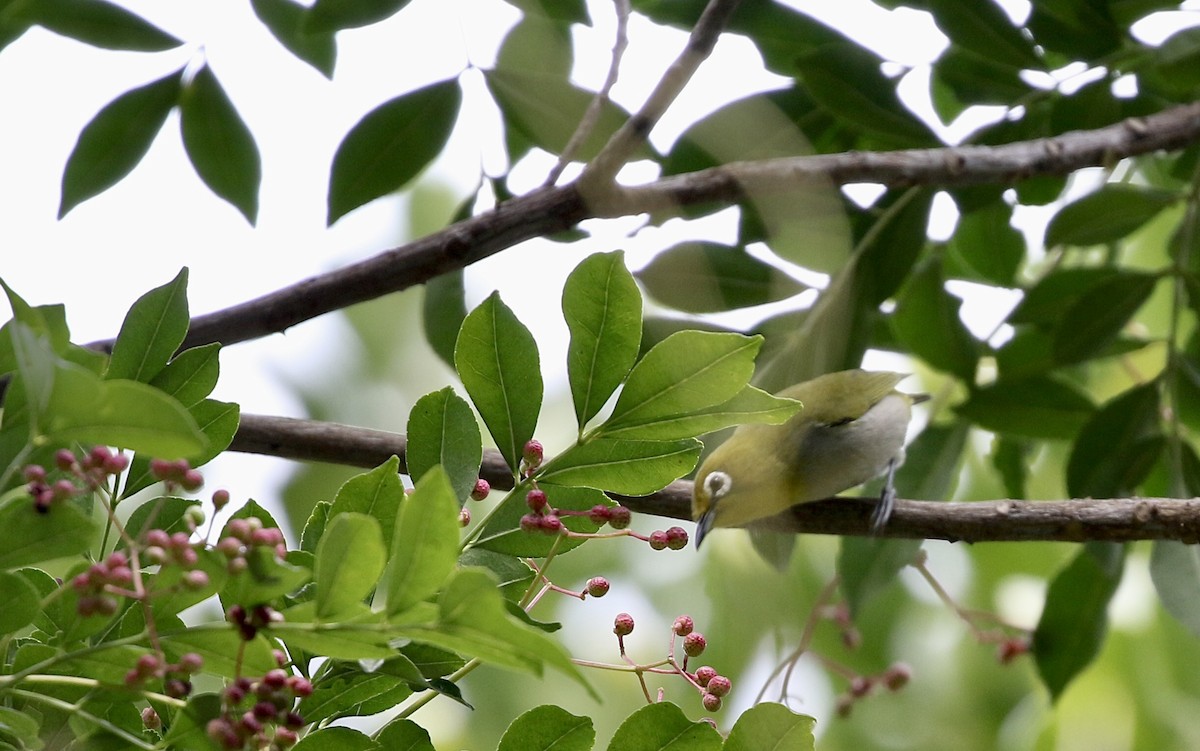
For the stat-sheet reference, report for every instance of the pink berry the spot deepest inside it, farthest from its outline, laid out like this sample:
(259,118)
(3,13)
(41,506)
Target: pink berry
(597,586)
(220,498)
(195,580)
(897,676)
(300,686)
(64,459)
(533,453)
(598,514)
(683,625)
(705,674)
(192,480)
(711,702)
(619,517)
(531,523)
(860,686)
(464,517)
(623,624)
(658,540)
(536,500)
(694,644)
(719,685)
(275,678)
(481,489)
(677,538)
(551,524)
(34,473)
(190,662)
(150,719)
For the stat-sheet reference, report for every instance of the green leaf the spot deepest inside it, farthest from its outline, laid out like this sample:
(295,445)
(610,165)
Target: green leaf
(335,15)
(348,692)
(349,560)
(357,634)
(21,602)
(1053,295)
(751,405)
(100,24)
(224,652)
(442,431)
(219,144)
(1075,618)
(32,537)
(165,513)
(285,20)
(846,79)
(1107,215)
(683,373)
(443,311)
(497,360)
(773,726)
(425,544)
(537,43)
(513,573)
(987,244)
(265,578)
(560,11)
(1078,29)
(927,321)
(118,413)
(404,735)
(191,375)
(315,526)
(1011,460)
(116,139)
(336,739)
(628,467)
(218,422)
(377,493)
(502,532)
(976,79)
(868,566)
(20,726)
(707,277)
(603,310)
(153,329)
(189,730)
(661,726)
(1175,571)
(544,109)
(1117,447)
(984,28)
(1093,322)
(473,620)
(390,146)
(548,727)
(1035,407)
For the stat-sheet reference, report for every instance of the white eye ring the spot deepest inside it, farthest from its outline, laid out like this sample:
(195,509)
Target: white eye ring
(717,484)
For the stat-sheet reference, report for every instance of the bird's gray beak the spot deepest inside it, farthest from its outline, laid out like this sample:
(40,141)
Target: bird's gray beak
(705,525)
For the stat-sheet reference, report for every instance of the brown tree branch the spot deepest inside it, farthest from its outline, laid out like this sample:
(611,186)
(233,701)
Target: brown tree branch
(549,210)
(1114,519)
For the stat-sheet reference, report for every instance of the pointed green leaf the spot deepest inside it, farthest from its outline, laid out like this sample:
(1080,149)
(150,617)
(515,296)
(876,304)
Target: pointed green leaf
(1036,407)
(988,245)
(927,322)
(223,650)
(442,431)
(497,360)
(1075,618)
(662,726)
(707,277)
(116,139)
(1047,301)
(377,493)
(1117,447)
(101,24)
(683,373)
(1175,571)
(603,310)
(350,558)
(314,528)
(153,329)
(191,375)
(1095,320)
(548,727)
(265,578)
(21,604)
(751,405)
(404,735)
(773,726)
(336,739)
(357,634)
(984,28)
(425,543)
(544,109)
(390,146)
(285,20)
(349,691)
(190,728)
(443,311)
(335,15)
(1107,215)
(625,466)
(219,144)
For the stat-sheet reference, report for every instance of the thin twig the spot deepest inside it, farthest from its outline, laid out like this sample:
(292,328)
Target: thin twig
(587,123)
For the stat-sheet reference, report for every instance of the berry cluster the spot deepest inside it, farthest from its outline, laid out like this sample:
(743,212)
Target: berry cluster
(259,714)
(243,536)
(176,473)
(711,685)
(248,622)
(896,677)
(176,677)
(79,476)
(100,584)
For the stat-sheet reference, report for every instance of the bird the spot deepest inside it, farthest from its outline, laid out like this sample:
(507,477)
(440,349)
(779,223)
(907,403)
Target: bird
(851,429)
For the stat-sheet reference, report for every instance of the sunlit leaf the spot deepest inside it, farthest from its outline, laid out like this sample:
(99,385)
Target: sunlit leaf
(152,330)
(425,543)
(350,558)
(442,431)
(626,466)
(663,725)
(773,726)
(548,727)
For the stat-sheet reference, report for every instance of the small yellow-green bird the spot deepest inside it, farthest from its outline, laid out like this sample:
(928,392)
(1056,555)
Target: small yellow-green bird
(850,430)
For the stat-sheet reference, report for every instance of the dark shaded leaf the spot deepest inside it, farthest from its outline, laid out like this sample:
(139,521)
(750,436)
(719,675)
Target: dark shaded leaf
(988,245)
(100,24)
(285,20)
(34,537)
(1077,29)
(1054,294)
(1036,407)
(443,310)
(1117,447)
(1093,322)
(927,321)
(1074,621)
(219,144)
(985,29)
(116,139)
(1107,215)
(390,146)
(335,15)
(706,277)
(191,375)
